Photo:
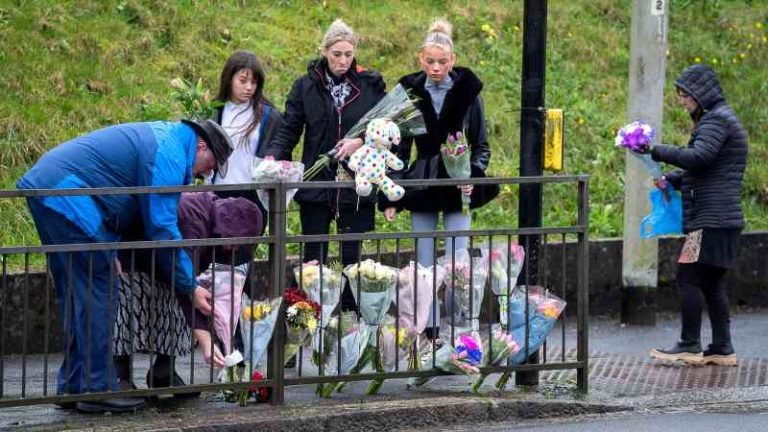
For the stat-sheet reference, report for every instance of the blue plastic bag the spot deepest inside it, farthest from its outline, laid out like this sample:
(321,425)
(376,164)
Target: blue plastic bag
(666,213)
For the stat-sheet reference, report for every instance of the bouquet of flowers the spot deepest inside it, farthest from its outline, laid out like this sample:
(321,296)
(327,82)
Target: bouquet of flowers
(415,289)
(375,283)
(392,339)
(397,106)
(465,286)
(257,325)
(463,359)
(268,170)
(505,265)
(354,336)
(500,347)
(544,309)
(301,316)
(457,163)
(196,101)
(226,285)
(316,279)
(637,137)
(394,343)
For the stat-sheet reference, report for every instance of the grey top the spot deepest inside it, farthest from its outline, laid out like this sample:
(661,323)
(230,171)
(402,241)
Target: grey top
(438,90)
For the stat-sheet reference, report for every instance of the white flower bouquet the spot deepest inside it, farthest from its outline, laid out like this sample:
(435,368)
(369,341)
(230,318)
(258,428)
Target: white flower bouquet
(269,170)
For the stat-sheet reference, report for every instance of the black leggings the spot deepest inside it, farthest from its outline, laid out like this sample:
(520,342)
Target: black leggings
(316,219)
(692,281)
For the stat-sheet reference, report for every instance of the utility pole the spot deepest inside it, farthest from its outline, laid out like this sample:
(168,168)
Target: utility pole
(646,99)
(532,113)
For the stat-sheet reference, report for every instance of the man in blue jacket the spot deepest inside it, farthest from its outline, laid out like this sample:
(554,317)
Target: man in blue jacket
(134,154)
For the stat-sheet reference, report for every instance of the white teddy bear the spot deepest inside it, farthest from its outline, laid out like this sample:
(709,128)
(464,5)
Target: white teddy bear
(370,161)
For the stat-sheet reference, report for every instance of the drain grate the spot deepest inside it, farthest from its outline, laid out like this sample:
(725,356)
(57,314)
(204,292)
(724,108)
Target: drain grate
(633,375)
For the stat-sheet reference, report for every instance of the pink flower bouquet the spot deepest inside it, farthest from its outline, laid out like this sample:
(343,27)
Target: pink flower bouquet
(226,285)
(465,286)
(456,160)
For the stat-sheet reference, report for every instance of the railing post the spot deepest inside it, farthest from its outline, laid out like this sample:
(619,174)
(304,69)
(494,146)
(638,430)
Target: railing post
(582,288)
(277,226)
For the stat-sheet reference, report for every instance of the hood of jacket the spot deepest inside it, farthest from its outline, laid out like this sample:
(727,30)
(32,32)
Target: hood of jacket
(701,83)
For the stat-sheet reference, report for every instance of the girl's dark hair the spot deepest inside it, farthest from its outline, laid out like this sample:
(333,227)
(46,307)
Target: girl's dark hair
(236,62)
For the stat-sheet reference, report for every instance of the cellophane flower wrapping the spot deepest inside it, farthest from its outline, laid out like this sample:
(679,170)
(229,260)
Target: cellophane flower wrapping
(465,357)
(325,341)
(258,325)
(416,286)
(301,320)
(544,309)
(505,265)
(465,279)
(355,353)
(376,284)
(226,285)
(396,106)
(498,349)
(316,279)
(457,162)
(389,345)
(415,289)
(637,137)
(269,170)
(395,341)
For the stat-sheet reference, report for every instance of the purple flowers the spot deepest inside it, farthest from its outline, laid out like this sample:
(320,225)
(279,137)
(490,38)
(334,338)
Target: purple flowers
(635,136)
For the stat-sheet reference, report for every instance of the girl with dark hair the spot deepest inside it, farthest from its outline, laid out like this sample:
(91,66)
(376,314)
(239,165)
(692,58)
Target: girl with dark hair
(247,116)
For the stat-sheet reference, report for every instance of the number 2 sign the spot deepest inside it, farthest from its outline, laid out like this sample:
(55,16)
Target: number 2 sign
(657,7)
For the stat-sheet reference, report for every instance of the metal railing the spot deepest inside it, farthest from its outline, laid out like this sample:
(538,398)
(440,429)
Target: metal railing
(29,330)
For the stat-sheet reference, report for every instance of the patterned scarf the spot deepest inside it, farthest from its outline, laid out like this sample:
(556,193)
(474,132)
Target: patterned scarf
(339,92)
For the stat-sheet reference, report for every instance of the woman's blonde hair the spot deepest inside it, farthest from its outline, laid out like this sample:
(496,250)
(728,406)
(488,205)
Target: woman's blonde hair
(338,31)
(439,34)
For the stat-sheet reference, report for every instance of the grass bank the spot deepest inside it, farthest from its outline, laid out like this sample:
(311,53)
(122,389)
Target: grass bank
(73,66)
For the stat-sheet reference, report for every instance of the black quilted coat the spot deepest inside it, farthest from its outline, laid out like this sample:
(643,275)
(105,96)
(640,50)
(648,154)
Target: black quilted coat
(712,165)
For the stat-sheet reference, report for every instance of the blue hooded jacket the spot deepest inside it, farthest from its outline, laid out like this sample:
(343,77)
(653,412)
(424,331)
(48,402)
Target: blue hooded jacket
(126,155)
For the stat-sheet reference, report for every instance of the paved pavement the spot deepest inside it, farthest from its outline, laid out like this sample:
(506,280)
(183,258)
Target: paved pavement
(668,422)
(621,378)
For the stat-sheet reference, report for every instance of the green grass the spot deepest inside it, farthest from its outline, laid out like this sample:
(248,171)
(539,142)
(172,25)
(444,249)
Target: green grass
(73,66)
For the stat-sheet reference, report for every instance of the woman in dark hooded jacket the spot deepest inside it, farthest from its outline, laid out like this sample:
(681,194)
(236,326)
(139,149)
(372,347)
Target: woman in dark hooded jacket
(323,105)
(710,177)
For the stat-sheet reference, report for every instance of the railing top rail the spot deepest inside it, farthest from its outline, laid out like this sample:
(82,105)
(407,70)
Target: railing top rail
(150,244)
(16,193)
(233,241)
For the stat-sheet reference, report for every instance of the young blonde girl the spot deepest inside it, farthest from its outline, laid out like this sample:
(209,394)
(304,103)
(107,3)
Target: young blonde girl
(449,98)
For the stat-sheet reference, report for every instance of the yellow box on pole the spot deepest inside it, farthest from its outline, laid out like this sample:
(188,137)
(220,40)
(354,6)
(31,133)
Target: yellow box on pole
(553,140)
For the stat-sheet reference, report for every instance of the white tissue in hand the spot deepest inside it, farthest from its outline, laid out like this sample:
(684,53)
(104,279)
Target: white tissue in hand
(233,358)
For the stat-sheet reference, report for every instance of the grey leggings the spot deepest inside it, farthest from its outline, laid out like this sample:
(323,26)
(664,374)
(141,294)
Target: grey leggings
(424,221)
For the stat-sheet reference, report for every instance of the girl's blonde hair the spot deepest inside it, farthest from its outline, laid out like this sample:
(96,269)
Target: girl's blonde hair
(338,31)
(439,34)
